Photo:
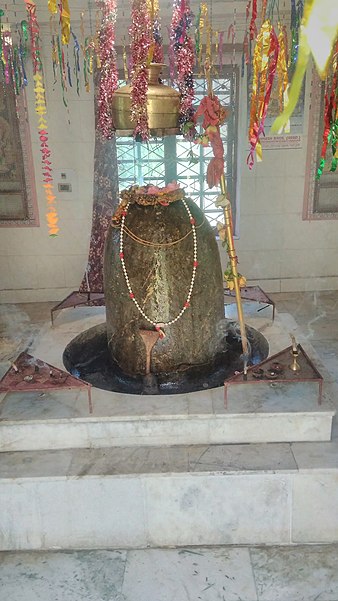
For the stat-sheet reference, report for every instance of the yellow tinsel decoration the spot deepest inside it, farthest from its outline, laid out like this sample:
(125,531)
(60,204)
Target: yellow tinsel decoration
(318,33)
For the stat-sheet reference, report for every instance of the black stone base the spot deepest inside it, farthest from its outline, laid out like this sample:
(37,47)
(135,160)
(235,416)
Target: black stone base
(87,357)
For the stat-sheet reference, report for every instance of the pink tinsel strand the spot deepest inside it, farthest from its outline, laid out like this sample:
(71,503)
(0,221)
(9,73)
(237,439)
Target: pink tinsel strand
(34,30)
(183,49)
(108,73)
(158,56)
(141,38)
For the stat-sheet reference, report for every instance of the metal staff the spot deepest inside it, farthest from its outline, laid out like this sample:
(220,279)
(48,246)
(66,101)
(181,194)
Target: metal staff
(226,206)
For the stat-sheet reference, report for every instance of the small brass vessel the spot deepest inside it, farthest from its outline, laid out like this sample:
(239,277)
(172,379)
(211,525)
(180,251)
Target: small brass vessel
(163,105)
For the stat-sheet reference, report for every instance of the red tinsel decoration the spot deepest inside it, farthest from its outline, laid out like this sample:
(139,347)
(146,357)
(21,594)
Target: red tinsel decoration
(183,49)
(108,73)
(141,39)
(41,110)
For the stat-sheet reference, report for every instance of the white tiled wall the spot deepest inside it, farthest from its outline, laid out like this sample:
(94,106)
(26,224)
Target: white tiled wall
(34,266)
(276,248)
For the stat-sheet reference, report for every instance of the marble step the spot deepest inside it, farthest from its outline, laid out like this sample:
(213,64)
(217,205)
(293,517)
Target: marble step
(274,494)
(61,420)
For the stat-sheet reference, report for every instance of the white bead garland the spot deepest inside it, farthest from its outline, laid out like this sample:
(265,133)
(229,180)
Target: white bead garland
(159,325)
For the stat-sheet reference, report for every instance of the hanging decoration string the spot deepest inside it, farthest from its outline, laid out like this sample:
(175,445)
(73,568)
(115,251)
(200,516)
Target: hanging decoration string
(63,7)
(23,33)
(13,55)
(252,26)
(184,57)
(296,17)
(220,51)
(65,21)
(141,39)
(202,25)
(156,54)
(41,110)
(108,72)
(330,134)
(76,55)
(264,69)
(318,34)
(282,72)
(62,68)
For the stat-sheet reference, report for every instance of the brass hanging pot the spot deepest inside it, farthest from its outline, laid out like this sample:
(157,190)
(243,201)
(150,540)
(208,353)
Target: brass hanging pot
(163,106)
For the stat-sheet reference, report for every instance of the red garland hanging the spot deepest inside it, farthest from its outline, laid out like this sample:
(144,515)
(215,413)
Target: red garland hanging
(141,39)
(183,50)
(41,110)
(108,72)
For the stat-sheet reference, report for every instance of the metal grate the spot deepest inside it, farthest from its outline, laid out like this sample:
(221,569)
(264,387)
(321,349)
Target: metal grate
(160,161)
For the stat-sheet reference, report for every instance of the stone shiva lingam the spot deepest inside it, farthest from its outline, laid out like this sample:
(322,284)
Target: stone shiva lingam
(162,272)
(165,329)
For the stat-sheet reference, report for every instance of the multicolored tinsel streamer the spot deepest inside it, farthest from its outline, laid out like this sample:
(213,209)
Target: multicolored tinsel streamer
(2,14)
(12,56)
(76,53)
(220,50)
(108,83)
(264,69)
(318,34)
(330,135)
(6,55)
(141,39)
(34,31)
(62,68)
(55,59)
(23,51)
(252,26)
(125,62)
(41,110)
(184,57)
(63,7)
(296,18)
(156,48)
(202,23)
(52,6)
(282,70)
(65,21)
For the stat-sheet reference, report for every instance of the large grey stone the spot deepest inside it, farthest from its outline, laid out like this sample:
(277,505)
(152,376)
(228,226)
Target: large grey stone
(160,279)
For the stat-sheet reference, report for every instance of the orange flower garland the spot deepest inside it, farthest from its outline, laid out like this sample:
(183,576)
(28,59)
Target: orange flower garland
(41,110)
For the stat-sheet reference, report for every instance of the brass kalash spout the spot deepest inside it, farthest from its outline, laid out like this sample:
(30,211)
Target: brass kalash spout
(163,106)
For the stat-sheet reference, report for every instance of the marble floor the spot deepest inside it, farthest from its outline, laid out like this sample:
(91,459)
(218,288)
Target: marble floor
(301,573)
(298,573)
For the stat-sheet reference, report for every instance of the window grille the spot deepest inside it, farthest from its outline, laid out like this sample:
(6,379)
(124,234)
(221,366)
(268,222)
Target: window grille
(172,158)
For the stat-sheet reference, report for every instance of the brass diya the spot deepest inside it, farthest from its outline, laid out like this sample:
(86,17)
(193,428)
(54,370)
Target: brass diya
(163,106)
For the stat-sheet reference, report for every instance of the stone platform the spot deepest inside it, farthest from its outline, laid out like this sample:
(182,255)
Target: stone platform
(61,420)
(155,496)
(156,471)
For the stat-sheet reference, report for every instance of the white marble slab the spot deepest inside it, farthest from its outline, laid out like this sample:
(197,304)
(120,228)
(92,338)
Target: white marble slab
(91,512)
(63,576)
(129,497)
(218,509)
(147,460)
(67,513)
(314,507)
(204,429)
(296,573)
(189,574)
(322,455)
(266,397)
